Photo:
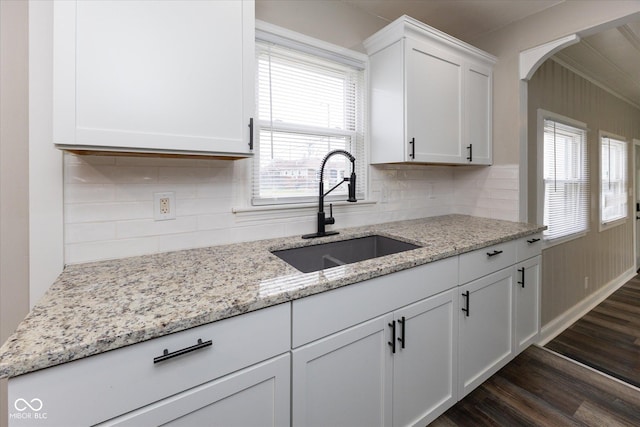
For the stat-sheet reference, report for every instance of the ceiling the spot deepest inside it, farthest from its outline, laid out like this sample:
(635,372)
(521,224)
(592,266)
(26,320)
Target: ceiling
(610,58)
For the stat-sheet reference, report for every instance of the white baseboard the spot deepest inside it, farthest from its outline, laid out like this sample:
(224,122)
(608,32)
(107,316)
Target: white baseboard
(562,322)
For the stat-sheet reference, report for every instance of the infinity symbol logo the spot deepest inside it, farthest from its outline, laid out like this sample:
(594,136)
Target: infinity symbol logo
(22,405)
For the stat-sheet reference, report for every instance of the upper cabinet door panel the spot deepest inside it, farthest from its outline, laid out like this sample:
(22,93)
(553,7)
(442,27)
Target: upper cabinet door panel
(167,75)
(434,110)
(479,117)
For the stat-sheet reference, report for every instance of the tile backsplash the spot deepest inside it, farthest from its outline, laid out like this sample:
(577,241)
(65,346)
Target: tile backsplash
(108,202)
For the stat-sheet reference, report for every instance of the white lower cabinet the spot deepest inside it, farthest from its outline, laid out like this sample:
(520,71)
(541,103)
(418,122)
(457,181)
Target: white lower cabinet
(425,369)
(527,303)
(256,396)
(485,328)
(344,379)
(398,369)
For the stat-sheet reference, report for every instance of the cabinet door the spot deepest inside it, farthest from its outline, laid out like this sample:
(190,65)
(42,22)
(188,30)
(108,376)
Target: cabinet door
(527,297)
(424,371)
(434,110)
(344,379)
(478,114)
(154,75)
(256,396)
(485,328)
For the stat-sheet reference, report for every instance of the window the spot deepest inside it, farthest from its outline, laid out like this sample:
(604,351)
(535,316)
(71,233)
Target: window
(308,104)
(565,178)
(613,179)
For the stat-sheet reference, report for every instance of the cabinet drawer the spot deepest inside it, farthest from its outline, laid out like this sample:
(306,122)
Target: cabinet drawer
(483,261)
(528,247)
(128,378)
(320,315)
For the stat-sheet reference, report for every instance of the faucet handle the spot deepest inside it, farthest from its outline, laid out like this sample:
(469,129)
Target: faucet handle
(331,219)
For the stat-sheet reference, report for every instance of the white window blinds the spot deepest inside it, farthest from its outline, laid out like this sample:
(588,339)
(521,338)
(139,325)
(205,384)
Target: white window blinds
(613,177)
(307,106)
(565,180)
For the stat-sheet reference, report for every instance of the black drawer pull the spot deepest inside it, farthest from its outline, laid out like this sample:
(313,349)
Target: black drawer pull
(521,270)
(402,340)
(392,343)
(251,133)
(470,148)
(412,155)
(467,298)
(533,241)
(166,355)
(494,253)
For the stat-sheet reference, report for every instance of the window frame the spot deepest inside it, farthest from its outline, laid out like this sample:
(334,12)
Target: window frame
(269,33)
(548,115)
(603,225)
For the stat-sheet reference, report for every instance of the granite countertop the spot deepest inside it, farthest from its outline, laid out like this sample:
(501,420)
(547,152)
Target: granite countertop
(95,307)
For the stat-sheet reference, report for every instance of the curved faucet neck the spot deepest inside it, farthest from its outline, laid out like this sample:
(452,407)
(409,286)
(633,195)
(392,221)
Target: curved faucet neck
(331,153)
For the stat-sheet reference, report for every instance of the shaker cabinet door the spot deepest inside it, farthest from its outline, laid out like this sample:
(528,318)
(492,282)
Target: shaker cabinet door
(425,369)
(344,379)
(485,328)
(256,396)
(478,112)
(154,76)
(434,111)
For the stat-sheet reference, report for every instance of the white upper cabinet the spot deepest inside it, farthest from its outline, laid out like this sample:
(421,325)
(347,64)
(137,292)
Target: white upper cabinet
(154,76)
(431,97)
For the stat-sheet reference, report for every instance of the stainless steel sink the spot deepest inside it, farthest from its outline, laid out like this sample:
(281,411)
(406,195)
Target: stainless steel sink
(327,255)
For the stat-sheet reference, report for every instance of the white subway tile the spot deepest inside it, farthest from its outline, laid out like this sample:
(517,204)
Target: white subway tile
(150,227)
(109,249)
(202,206)
(83,173)
(89,232)
(181,175)
(221,189)
(97,212)
(139,192)
(501,184)
(216,221)
(200,239)
(258,232)
(83,193)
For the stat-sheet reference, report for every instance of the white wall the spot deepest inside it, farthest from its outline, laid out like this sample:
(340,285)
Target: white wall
(46,249)
(14,173)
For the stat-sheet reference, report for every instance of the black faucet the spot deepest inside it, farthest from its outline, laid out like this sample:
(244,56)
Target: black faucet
(322,220)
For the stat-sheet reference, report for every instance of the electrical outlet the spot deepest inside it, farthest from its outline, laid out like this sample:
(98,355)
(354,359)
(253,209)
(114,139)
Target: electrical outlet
(164,206)
(586,282)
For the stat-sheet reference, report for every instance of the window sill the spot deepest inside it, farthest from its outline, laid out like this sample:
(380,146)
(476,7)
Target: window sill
(609,225)
(251,213)
(561,240)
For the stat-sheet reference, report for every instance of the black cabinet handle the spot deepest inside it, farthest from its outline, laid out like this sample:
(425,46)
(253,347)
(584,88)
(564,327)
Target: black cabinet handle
(521,270)
(533,241)
(166,355)
(392,343)
(470,148)
(403,342)
(494,253)
(251,133)
(467,298)
(413,148)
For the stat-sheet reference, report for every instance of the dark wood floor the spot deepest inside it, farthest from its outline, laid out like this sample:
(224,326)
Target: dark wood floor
(608,337)
(542,388)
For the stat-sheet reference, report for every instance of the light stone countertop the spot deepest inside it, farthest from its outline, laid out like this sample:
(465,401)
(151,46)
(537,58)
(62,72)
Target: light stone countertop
(95,307)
